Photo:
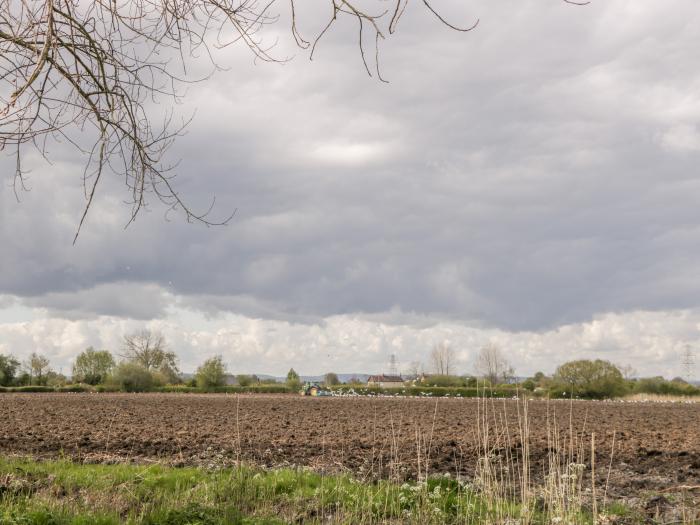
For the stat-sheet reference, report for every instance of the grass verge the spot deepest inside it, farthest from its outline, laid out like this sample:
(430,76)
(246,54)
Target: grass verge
(65,493)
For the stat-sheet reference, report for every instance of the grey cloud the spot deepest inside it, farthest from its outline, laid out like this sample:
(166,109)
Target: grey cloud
(116,299)
(534,173)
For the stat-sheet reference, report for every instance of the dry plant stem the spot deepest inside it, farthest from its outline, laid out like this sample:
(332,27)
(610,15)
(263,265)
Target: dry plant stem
(610,464)
(238,430)
(593,495)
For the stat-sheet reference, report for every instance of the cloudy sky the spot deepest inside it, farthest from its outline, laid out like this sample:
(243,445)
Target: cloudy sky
(531,183)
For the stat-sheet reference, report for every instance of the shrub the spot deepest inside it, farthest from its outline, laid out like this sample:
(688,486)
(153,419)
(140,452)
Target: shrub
(529,385)
(178,389)
(444,380)
(78,387)
(131,377)
(659,385)
(108,387)
(244,380)
(55,380)
(597,379)
(32,388)
(212,373)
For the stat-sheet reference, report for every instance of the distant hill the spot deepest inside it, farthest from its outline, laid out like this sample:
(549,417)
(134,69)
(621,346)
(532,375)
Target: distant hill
(344,378)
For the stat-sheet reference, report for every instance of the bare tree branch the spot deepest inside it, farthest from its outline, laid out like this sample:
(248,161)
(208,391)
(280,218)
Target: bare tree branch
(87,73)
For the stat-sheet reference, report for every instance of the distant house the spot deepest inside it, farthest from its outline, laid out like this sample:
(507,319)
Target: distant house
(384,381)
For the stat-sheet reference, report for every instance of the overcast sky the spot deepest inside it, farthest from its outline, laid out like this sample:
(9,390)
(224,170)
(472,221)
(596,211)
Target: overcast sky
(531,183)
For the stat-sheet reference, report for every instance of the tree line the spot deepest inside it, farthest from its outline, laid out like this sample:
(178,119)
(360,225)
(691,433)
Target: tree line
(582,378)
(145,363)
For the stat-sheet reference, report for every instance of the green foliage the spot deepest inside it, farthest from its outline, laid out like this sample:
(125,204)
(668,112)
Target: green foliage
(529,385)
(55,380)
(76,388)
(212,373)
(32,388)
(23,379)
(159,495)
(8,369)
(262,388)
(195,514)
(132,377)
(93,366)
(470,381)
(585,378)
(539,378)
(444,380)
(293,380)
(110,386)
(244,380)
(168,374)
(659,385)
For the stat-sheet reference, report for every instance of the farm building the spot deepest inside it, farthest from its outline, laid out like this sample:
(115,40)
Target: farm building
(384,381)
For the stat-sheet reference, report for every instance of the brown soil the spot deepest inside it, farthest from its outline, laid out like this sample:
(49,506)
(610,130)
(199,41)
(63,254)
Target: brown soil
(657,446)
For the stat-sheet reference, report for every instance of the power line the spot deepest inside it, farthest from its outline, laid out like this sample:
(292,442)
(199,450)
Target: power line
(688,363)
(393,365)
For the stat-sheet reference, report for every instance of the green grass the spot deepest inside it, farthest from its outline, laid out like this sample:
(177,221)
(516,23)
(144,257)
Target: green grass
(65,493)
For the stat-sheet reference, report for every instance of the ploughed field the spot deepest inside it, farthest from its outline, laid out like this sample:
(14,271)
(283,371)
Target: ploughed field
(656,446)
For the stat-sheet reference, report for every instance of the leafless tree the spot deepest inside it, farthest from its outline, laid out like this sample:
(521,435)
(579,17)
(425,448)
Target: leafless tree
(627,371)
(492,365)
(442,357)
(37,367)
(415,369)
(85,73)
(148,349)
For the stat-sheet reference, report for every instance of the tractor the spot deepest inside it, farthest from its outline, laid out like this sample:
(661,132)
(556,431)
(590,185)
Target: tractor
(314,389)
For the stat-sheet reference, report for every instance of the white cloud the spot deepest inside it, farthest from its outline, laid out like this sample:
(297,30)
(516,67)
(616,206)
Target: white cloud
(650,341)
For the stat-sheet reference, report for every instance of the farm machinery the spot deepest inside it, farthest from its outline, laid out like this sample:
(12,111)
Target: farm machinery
(315,390)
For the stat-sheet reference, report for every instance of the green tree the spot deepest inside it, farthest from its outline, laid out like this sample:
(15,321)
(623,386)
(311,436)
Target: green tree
(8,369)
(592,379)
(132,377)
(92,366)
(55,379)
(331,379)
(212,373)
(293,379)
